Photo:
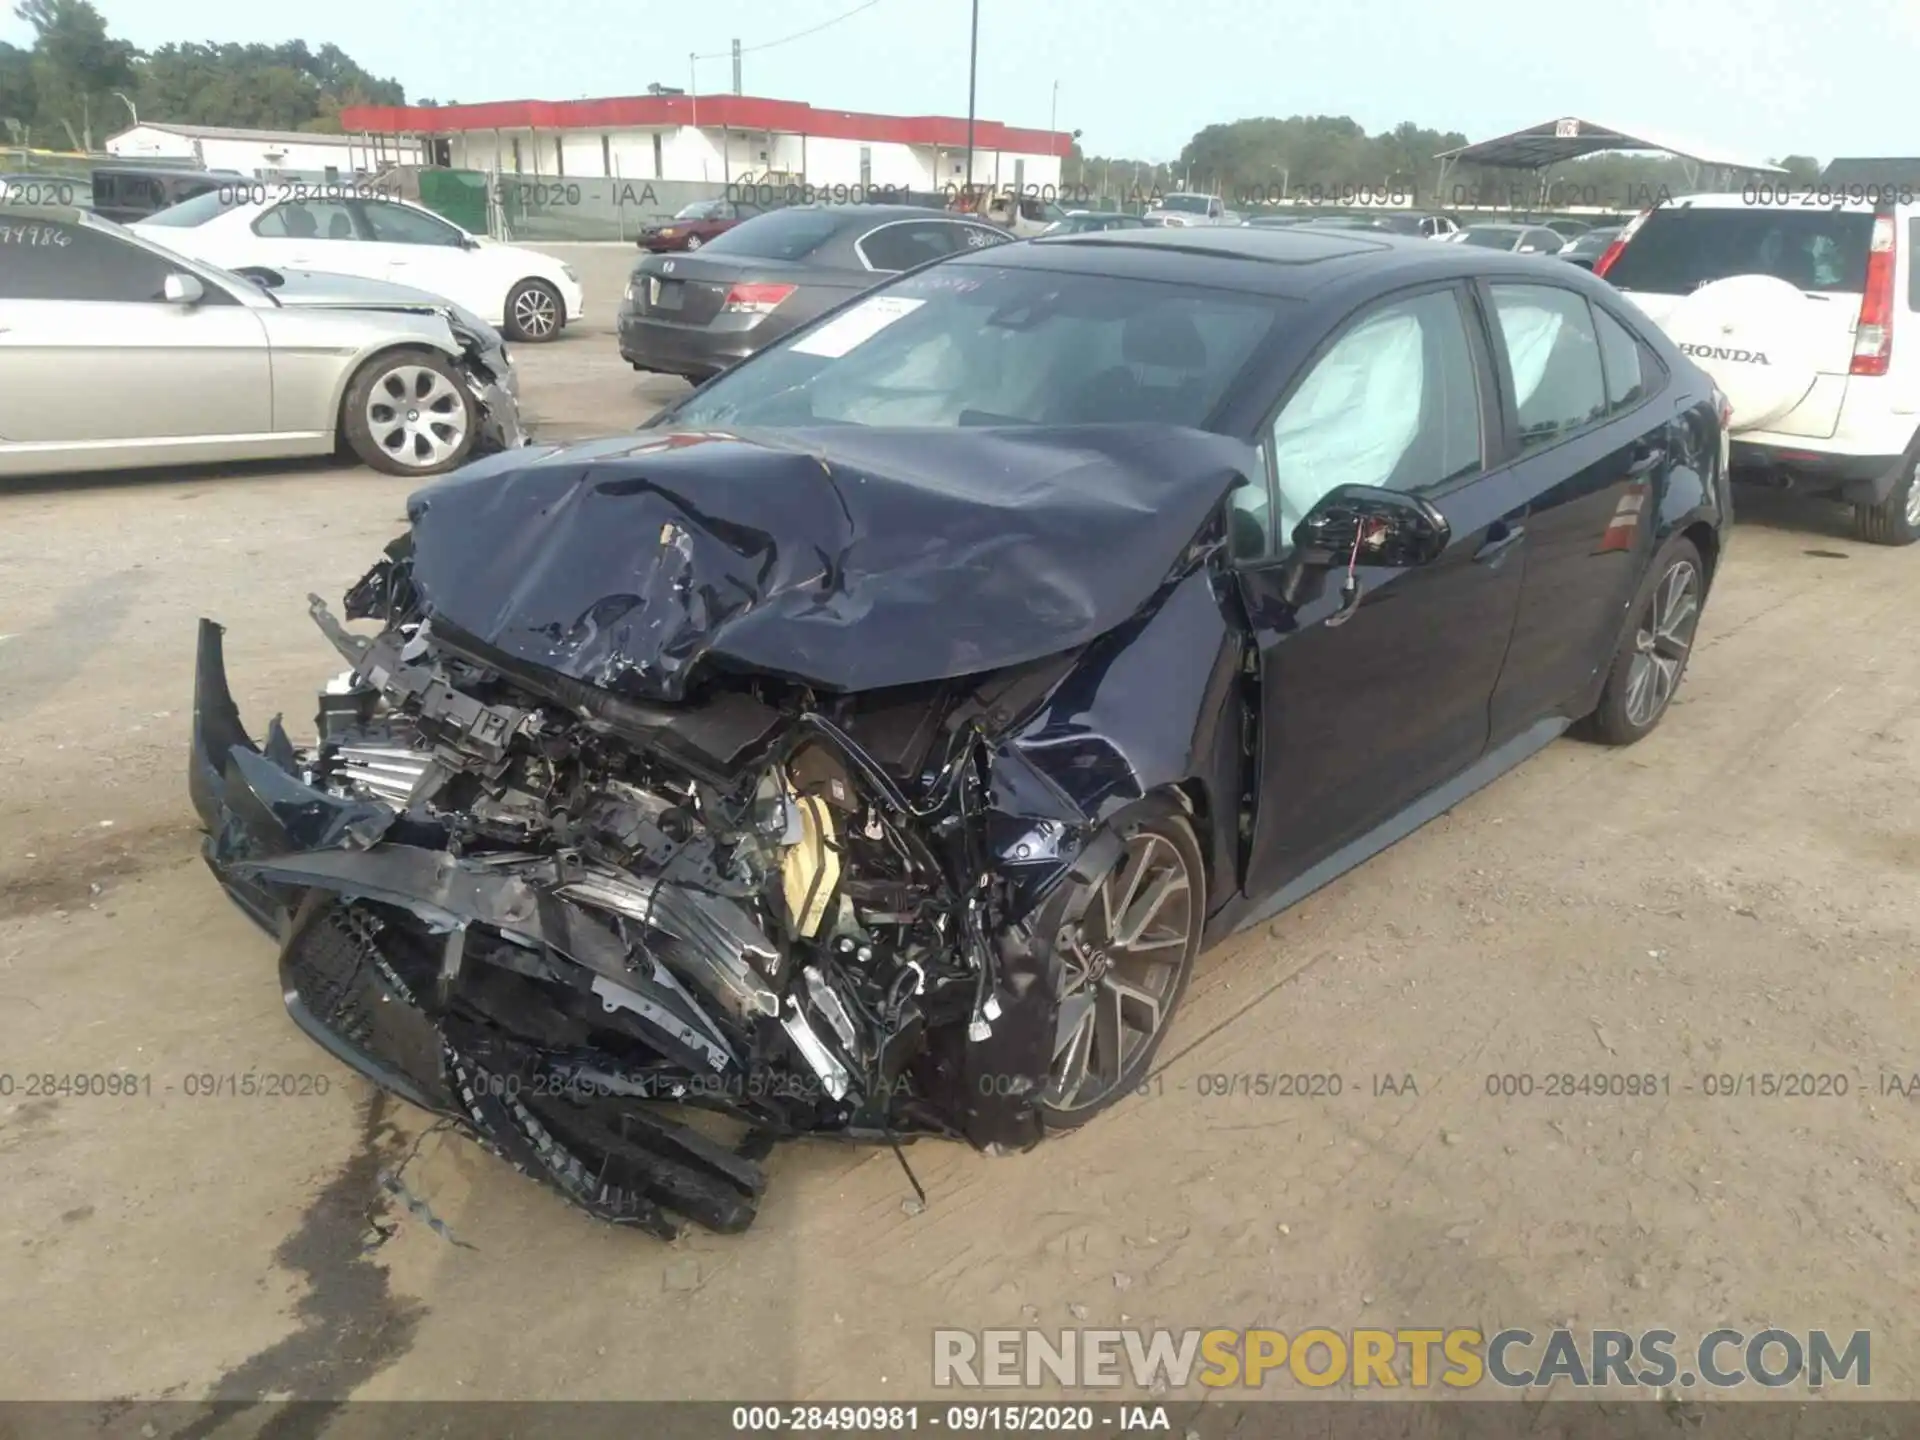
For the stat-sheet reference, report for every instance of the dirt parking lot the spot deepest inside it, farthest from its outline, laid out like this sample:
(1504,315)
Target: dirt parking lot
(1734,897)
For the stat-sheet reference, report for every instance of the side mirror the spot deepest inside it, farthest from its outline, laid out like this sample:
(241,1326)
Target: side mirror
(1390,529)
(180,288)
(468,242)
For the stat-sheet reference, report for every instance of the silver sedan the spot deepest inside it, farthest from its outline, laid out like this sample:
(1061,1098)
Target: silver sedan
(116,354)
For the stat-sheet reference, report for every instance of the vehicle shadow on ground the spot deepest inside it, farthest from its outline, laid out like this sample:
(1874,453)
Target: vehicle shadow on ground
(1797,514)
(304,468)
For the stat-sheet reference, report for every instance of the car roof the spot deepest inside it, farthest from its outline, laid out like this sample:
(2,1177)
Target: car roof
(1286,261)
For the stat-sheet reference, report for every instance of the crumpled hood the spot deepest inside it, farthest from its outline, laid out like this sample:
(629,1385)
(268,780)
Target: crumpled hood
(845,557)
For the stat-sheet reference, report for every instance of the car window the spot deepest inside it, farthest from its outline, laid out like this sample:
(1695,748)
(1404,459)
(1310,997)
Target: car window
(53,260)
(200,209)
(1554,356)
(972,343)
(1487,239)
(1680,248)
(402,225)
(1394,402)
(307,220)
(905,244)
(1545,240)
(1620,357)
(779,235)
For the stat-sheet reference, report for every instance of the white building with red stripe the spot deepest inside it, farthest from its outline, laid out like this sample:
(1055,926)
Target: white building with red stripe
(720,139)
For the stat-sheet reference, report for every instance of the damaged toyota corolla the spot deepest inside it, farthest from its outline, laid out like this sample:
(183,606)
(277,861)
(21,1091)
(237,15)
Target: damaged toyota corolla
(868,747)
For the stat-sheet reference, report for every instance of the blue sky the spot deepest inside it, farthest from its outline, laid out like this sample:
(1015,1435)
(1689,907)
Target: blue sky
(1756,77)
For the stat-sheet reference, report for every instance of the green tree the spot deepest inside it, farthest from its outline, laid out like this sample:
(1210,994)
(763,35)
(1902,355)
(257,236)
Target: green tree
(77,66)
(1801,169)
(16,91)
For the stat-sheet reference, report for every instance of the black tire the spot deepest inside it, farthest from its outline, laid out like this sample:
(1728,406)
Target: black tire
(401,439)
(535,313)
(1896,519)
(1624,714)
(1157,829)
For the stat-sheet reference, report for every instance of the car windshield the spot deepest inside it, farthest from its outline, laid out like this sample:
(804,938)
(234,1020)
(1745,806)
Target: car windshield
(199,210)
(976,344)
(701,210)
(1487,237)
(1678,249)
(1187,204)
(778,235)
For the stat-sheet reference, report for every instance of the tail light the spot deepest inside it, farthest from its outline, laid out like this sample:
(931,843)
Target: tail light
(1873,337)
(1612,252)
(1723,407)
(755,299)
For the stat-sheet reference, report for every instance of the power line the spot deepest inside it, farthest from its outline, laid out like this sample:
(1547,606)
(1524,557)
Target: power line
(797,35)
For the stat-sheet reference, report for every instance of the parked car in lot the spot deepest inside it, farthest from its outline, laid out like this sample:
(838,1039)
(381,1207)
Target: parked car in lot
(126,193)
(1181,209)
(1567,228)
(243,225)
(694,225)
(117,354)
(869,746)
(1792,308)
(1088,222)
(1520,239)
(694,315)
(1586,248)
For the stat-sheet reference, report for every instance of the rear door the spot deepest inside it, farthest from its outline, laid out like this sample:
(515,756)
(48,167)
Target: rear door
(93,358)
(1587,441)
(1764,297)
(311,234)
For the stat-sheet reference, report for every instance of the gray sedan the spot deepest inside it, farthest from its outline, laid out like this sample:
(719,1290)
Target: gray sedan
(116,354)
(694,315)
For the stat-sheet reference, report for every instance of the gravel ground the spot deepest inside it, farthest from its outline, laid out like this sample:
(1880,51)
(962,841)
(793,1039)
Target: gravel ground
(1733,896)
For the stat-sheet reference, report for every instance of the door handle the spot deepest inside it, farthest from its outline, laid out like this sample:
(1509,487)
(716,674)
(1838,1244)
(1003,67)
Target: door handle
(1645,458)
(1501,537)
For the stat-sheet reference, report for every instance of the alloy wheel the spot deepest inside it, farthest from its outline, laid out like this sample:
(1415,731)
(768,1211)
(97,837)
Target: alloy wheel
(536,314)
(1122,964)
(1661,643)
(1913,498)
(693,242)
(416,416)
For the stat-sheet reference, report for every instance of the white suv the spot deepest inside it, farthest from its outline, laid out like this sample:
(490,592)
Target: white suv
(1796,304)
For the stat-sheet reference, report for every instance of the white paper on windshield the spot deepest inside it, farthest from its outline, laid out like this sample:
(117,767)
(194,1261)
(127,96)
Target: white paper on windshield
(857,326)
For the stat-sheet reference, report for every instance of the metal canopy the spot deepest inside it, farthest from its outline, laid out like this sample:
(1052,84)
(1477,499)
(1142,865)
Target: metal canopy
(1570,138)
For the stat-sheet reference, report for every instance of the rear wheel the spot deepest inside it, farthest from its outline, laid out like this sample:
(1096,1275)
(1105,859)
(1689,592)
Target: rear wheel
(1648,666)
(1896,519)
(694,242)
(409,413)
(1126,944)
(535,312)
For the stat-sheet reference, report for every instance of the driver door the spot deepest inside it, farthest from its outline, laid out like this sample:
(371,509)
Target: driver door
(1363,712)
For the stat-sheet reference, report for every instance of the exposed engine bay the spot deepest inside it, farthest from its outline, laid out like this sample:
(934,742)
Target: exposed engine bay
(631,945)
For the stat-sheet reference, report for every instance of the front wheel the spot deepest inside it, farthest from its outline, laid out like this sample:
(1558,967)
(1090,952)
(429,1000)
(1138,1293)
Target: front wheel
(1896,519)
(1653,656)
(409,413)
(535,312)
(1126,944)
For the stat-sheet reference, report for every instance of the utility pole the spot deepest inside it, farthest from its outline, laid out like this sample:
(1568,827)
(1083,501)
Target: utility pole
(736,67)
(973,61)
(1053,110)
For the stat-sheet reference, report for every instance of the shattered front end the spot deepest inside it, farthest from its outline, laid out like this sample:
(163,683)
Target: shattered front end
(676,860)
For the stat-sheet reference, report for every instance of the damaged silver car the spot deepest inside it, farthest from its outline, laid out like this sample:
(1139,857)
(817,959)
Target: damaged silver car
(204,365)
